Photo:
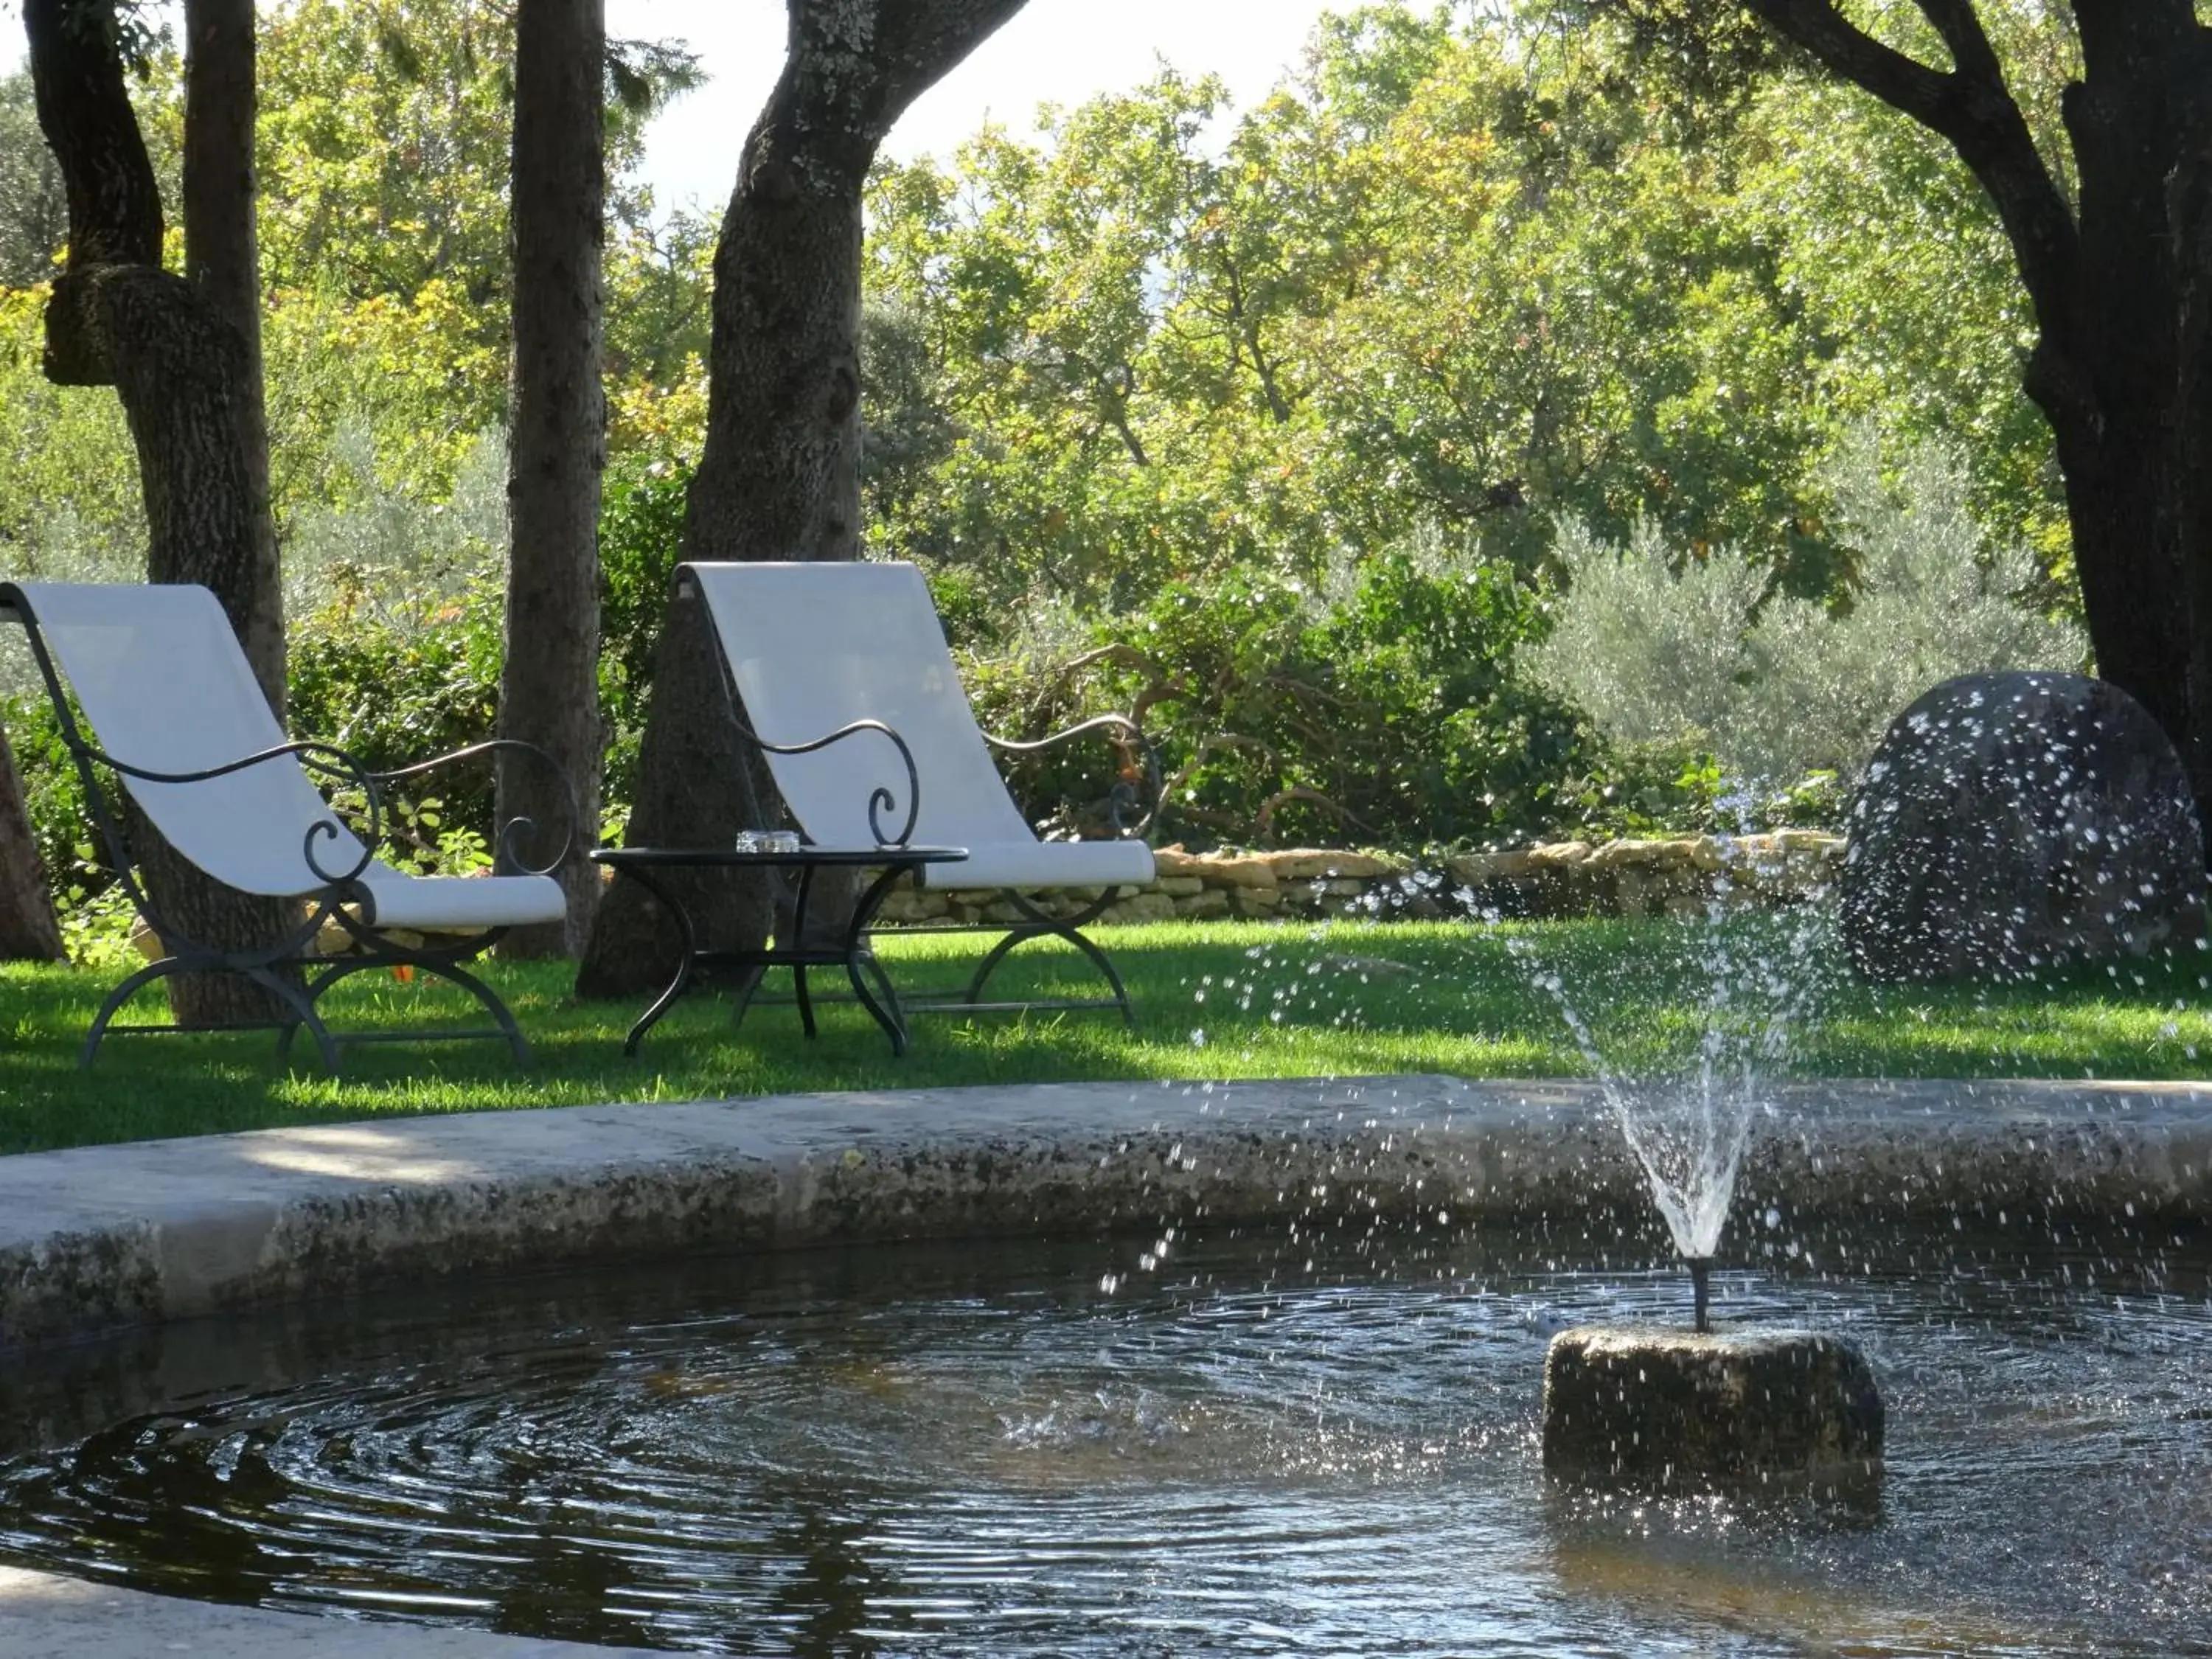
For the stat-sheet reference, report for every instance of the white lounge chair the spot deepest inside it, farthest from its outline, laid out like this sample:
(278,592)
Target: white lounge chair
(177,714)
(813,645)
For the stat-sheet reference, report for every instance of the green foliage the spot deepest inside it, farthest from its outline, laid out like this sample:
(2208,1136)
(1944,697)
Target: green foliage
(392,694)
(383,146)
(70,505)
(1387,714)
(659,281)
(1477,272)
(1665,646)
(54,800)
(385,142)
(404,549)
(33,211)
(641,536)
(1897,259)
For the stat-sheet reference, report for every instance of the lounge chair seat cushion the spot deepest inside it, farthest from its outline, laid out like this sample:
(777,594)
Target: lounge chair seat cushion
(460,903)
(1045,864)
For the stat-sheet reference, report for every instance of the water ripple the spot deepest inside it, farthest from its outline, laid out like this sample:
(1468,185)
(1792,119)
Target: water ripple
(951,1453)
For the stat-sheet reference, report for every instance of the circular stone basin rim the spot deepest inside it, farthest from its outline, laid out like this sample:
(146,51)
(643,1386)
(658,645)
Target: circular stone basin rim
(96,1239)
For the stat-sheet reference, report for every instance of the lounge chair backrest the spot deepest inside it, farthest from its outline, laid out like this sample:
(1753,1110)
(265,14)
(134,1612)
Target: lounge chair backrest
(161,680)
(813,647)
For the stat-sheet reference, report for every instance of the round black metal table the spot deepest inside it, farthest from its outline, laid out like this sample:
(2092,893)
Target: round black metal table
(643,864)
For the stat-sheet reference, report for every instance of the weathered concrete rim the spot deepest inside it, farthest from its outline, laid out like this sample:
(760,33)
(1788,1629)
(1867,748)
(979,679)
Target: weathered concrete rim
(101,1239)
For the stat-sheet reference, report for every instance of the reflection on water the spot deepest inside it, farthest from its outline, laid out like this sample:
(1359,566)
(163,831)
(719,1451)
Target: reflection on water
(1250,1447)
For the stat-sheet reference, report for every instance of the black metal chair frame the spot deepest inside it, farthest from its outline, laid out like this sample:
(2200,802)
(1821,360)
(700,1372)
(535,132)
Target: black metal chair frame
(1123,799)
(344,898)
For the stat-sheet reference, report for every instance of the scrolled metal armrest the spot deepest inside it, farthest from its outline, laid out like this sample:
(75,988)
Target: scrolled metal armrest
(505,857)
(1123,793)
(880,798)
(326,757)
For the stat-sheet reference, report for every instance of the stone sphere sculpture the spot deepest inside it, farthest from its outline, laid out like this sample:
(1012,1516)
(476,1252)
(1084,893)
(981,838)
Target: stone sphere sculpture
(2010,821)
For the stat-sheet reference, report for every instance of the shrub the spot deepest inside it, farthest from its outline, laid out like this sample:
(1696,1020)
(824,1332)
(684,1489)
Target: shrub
(383,549)
(641,534)
(1662,647)
(53,797)
(392,694)
(1389,713)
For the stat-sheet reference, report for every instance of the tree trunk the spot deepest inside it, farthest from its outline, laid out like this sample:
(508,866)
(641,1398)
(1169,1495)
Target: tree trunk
(700,793)
(222,262)
(181,368)
(29,932)
(548,687)
(2122,292)
(779,477)
(2138,494)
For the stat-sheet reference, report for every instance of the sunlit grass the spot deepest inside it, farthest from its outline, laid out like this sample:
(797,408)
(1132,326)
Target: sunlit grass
(1215,1001)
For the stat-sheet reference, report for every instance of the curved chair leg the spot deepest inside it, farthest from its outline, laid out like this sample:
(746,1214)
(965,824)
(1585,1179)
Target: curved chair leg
(883,1001)
(1000,949)
(1041,926)
(321,982)
(483,993)
(288,993)
(347,967)
(302,1003)
(113,1005)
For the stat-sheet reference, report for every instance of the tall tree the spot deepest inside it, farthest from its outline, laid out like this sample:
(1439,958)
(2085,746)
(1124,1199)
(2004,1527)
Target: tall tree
(222,262)
(780,475)
(2120,279)
(180,366)
(548,686)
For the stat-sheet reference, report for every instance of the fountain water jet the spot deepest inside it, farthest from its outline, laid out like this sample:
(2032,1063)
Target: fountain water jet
(1688,1117)
(1655,1405)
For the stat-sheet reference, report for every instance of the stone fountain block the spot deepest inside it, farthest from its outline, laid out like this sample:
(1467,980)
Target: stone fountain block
(2011,821)
(1660,1407)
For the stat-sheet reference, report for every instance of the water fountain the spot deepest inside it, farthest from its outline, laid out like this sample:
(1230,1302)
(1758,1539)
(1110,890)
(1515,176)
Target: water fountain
(1656,1404)
(1260,1444)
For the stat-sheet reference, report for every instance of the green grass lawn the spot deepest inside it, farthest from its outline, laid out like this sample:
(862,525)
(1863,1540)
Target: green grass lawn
(1221,1000)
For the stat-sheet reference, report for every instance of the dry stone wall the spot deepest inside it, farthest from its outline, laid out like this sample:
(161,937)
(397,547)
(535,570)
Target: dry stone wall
(1566,878)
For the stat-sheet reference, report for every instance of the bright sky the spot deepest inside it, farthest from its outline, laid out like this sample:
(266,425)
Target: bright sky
(1053,51)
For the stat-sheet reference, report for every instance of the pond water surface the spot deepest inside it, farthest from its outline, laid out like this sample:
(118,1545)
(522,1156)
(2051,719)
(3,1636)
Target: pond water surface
(1243,1445)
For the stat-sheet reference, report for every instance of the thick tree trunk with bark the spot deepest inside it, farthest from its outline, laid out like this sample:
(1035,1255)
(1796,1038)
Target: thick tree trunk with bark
(2121,291)
(222,262)
(779,476)
(29,932)
(181,368)
(549,688)
(2133,440)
